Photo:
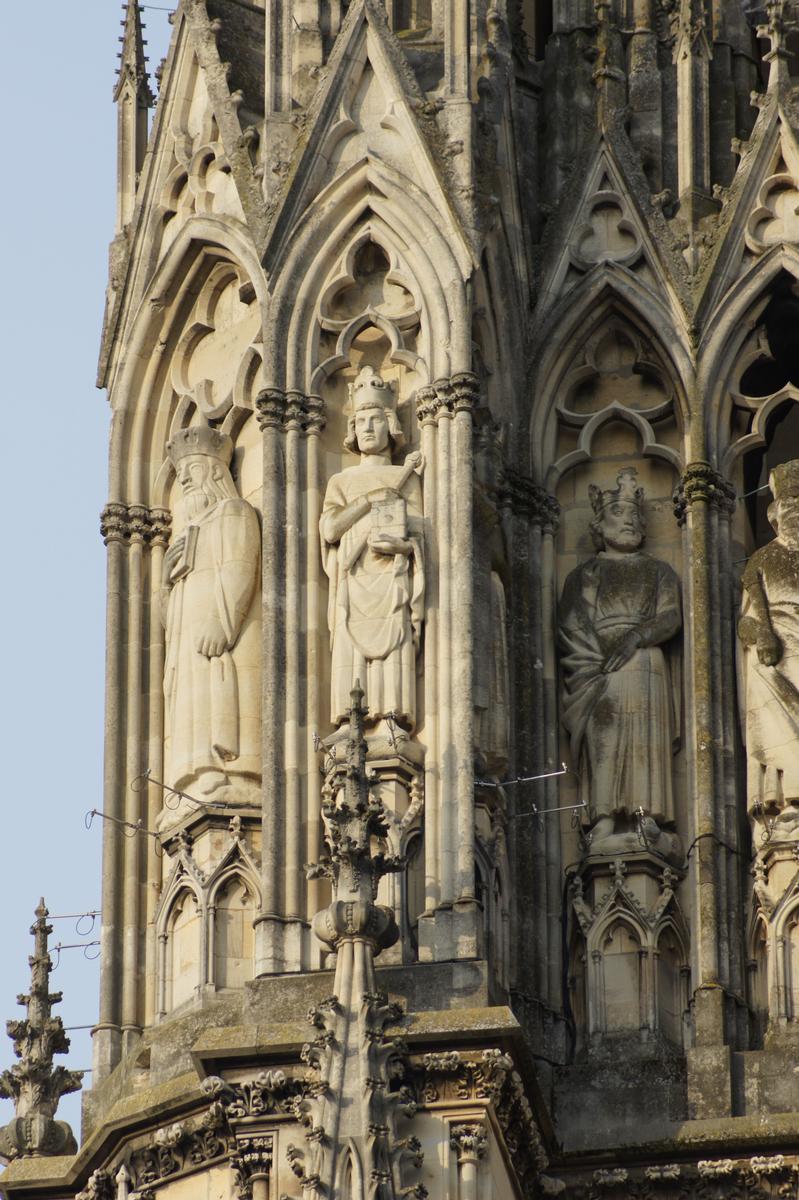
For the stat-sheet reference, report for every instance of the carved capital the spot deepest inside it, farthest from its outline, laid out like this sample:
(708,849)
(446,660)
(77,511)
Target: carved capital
(160,526)
(470,1142)
(138,523)
(466,392)
(314,416)
(529,500)
(251,1160)
(270,408)
(447,397)
(702,484)
(114,523)
(276,409)
(296,406)
(426,405)
(135,524)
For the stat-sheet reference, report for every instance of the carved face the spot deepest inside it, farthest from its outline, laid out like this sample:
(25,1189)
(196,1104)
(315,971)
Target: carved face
(621,526)
(371,430)
(787,521)
(196,475)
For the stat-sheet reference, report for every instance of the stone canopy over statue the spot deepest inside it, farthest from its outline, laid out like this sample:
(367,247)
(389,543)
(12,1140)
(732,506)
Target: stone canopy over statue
(769,636)
(212,674)
(373,556)
(621,696)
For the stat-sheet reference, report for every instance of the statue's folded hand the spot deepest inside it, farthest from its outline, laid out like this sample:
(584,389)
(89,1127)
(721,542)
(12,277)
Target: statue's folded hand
(211,640)
(173,555)
(769,648)
(380,495)
(623,651)
(388,543)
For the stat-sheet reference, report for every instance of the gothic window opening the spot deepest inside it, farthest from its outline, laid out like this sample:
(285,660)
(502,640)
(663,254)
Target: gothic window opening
(621,977)
(413,897)
(671,998)
(183,950)
(758,983)
(234,911)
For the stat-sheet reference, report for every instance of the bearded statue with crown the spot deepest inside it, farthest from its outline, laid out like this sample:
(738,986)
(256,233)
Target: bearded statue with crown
(372,551)
(212,681)
(769,637)
(621,694)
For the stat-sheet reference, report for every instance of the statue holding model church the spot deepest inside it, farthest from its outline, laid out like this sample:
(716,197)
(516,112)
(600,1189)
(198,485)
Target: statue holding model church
(374,559)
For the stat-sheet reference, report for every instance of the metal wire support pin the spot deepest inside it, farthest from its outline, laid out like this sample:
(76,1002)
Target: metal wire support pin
(493,783)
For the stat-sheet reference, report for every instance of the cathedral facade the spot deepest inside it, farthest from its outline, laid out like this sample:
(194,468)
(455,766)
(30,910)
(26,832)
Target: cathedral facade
(451,812)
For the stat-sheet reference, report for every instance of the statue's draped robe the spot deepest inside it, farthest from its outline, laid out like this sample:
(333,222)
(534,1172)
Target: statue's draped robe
(213,704)
(622,723)
(772,693)
(376,602)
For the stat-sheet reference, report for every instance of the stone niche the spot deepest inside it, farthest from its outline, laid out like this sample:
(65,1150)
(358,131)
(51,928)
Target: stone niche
(617,428)
(201,932)
(763,415)
(368,330)
(618,459)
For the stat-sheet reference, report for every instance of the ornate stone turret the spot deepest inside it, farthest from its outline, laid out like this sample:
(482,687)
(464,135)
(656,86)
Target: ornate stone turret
(34,1084)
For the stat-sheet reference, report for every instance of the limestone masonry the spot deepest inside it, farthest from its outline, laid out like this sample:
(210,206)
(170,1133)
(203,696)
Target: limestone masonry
(452,662)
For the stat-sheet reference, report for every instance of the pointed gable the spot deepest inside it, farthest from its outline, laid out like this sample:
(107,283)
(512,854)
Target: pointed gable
(761,206)
(611,222)
(199,163)
(368,110)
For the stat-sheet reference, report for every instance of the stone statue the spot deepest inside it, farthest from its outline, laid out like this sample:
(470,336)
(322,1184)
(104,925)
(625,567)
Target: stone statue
(620,699)
(769,635)
(212,680)
(372,552)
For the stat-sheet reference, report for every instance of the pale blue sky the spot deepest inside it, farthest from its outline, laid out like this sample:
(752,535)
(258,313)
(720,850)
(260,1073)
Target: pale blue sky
(57,65)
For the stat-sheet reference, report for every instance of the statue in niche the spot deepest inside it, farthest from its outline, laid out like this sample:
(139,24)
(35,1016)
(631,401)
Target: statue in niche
(373,556)
(212,679)
(769,634)
(621,698)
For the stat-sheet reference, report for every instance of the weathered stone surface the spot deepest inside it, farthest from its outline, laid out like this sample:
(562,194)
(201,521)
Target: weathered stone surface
(562,237)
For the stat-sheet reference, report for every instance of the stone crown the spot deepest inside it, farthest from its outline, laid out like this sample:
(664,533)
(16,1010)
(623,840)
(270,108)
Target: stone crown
(200,439)
(627,489)
(784,480)
(370,391)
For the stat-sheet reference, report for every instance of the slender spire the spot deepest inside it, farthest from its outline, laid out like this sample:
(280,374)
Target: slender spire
(133,98)
(34,1084)
(133,62)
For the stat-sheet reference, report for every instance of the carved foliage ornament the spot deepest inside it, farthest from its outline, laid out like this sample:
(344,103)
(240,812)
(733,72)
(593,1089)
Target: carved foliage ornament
(489,1076)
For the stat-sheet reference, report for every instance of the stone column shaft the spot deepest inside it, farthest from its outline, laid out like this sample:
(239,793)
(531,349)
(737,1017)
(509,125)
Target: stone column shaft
(313,642)
(133,808)
(462,536)
(701,490)
(432,701)
(159,535)
(293,849)
(268,924)
(446,821)
(106,1034)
